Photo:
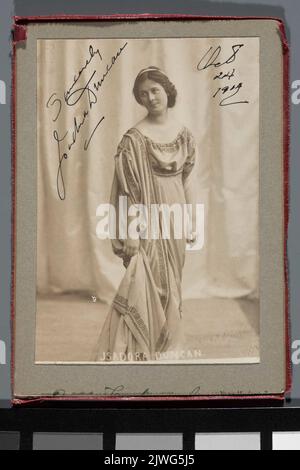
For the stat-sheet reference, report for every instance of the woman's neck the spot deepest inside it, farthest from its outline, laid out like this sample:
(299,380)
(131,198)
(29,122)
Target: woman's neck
(159,119)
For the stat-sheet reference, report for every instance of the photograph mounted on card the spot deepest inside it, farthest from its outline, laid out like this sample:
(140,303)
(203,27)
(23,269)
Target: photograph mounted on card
(149,209)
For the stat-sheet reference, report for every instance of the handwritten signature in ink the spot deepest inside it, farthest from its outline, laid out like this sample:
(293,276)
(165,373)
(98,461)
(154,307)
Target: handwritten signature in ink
(79,91)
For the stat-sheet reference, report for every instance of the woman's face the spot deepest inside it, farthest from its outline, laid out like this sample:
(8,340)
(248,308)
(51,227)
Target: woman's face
(153,97)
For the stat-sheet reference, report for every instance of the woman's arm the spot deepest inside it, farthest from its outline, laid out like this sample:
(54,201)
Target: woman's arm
(129,188)
(132,243)
(190,189)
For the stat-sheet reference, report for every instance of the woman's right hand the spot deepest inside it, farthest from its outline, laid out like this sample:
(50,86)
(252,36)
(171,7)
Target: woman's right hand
(131,247)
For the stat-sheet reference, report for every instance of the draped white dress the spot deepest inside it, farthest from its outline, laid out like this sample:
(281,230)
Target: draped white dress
(145,318)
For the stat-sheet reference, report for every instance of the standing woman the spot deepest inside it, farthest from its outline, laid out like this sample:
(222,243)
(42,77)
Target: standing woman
(154,165)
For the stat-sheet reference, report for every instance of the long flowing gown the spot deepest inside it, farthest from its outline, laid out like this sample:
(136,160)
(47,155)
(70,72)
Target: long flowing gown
(145,318)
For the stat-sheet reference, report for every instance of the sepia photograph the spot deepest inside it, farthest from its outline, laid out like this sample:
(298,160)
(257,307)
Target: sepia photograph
(148,201)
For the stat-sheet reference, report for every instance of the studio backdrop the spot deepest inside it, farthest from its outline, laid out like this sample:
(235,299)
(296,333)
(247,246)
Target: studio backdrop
(77,145)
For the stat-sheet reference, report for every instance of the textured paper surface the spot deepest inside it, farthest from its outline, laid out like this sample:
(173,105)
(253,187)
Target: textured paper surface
(220,311)
(264,378)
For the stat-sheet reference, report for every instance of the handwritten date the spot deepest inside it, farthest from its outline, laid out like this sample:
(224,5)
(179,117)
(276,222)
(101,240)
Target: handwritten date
(211,59)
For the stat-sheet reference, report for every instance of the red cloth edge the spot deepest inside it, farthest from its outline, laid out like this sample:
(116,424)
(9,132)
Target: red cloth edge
(22,35)
(215,398)
(141,16)
(19,33)
(286,182)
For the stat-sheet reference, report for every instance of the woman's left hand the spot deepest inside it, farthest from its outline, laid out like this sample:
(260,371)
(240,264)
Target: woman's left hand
(131,247)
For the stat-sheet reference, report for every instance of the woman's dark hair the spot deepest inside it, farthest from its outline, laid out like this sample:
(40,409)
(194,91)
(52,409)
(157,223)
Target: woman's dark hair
(156,75)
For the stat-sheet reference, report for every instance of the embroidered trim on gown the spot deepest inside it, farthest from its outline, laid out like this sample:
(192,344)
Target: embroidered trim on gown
(145,318)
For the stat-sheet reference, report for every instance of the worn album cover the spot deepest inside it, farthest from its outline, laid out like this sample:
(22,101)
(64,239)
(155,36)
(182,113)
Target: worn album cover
(150,208)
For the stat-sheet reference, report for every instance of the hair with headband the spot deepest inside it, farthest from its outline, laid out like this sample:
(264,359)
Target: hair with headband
(151,69)
(155,74)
